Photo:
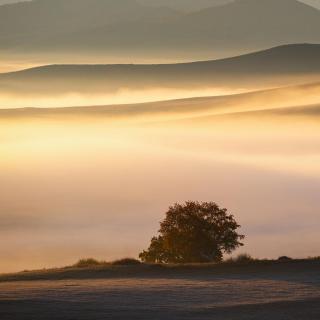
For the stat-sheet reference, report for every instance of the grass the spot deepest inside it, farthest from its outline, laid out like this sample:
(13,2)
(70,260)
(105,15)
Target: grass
(90,268)
(91,263)
(131,268)
(87,263)
(126,262)
(240,259)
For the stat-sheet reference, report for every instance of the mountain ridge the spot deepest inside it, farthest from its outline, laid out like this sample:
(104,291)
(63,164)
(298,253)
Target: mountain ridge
(295,50)
(275,67)
(114,28)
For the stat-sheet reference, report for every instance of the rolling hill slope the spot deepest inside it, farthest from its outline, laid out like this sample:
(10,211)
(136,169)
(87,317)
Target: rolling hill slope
(301,100)
(286,65)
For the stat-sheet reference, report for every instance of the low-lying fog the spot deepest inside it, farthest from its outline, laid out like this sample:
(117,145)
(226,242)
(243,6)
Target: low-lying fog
(89,185)
(123,96)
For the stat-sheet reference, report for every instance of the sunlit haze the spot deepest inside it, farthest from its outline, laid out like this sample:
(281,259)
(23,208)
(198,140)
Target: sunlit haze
(112,111)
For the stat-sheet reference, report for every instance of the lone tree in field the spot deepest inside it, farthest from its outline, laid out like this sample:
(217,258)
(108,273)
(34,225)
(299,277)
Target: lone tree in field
(194,232)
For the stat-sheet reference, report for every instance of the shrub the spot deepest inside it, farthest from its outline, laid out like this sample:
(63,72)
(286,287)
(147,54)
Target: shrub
(126,262)
(241,258)
(85,263)
(284,258)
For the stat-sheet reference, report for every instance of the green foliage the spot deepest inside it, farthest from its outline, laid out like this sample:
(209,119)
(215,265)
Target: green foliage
(194,233)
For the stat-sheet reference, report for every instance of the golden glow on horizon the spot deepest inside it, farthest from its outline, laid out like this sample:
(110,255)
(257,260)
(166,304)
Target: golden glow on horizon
(98,178)
(9,101)
(275,146)
(249,101)
(84,178)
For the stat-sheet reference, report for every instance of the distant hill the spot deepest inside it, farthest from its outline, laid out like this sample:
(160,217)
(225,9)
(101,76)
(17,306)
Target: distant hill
(314,3)
(291,64)
(9,1)
(185,5)
(135,29)
(192,5)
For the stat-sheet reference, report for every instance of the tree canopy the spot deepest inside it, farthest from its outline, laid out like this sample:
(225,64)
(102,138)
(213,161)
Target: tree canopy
(194,232)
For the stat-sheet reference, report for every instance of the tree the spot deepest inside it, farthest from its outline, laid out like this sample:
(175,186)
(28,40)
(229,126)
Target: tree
(194,232)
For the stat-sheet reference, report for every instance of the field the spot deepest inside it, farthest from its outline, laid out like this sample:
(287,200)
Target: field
(266,290)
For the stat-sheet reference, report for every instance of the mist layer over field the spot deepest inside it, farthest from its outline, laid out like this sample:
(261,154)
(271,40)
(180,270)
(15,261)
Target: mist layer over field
(96,181)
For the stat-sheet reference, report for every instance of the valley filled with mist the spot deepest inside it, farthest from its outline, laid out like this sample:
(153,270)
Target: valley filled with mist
(110,111)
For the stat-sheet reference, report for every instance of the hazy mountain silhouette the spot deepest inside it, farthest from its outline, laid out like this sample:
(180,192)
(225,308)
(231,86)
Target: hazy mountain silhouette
(44,18)
(291,64)
(130,28)
(191,5)
(9,1)
(185,5)
(314,3)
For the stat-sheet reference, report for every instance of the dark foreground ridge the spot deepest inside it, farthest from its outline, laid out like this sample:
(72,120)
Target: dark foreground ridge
(283,310)
(205,271)
(264,290)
